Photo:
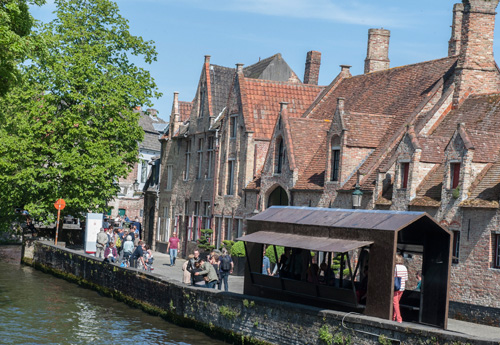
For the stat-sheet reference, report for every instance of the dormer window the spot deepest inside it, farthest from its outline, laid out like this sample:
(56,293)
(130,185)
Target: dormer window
(279,157)
(454,175)
(405,169)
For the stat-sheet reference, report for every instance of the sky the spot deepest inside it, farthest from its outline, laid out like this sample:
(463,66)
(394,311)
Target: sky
(244,31)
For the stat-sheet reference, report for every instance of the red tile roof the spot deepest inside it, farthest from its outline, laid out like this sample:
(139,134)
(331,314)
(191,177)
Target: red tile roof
(261,102)
(308,137)
(399,93)
(394,92)
(366,130)
(185,110)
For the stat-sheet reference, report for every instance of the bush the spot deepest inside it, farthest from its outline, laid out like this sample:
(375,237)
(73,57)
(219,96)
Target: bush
(270,253)
(204,241)
(238,249)
(228,244)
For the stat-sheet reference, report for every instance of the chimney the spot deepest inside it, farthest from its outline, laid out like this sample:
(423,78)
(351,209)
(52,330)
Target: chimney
(476,68)
(377,55)
(239,68)
(456,30)
(174,116)
(283,106)
(345,69)
(313,63)
(340,105)
(207,59)
(152,112)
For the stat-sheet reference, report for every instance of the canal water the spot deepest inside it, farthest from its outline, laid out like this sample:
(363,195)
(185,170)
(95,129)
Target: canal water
(37,308)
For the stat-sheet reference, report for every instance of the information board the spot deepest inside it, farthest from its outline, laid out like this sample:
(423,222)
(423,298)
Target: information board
(93,225)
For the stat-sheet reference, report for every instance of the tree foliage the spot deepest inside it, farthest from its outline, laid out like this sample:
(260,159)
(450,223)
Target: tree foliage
(15,27)
(69,129)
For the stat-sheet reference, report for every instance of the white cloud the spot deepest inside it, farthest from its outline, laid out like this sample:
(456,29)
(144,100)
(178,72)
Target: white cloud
(352,12)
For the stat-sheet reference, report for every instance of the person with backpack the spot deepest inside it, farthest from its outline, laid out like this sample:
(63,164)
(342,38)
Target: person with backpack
(226,268)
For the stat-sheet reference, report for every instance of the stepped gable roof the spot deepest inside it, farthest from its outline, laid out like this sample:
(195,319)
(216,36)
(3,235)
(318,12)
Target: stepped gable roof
(221,79)
(485,190)
(185,110)
(429,190)
(261,102)
(366,130)
(272,68)
(308,140)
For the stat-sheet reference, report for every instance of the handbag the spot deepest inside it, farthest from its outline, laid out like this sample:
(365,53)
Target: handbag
(397,282)
(205,278)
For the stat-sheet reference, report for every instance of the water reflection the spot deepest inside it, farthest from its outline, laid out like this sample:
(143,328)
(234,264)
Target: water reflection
(36,308)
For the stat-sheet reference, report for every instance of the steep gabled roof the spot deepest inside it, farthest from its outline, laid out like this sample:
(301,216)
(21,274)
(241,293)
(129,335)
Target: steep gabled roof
(308,137)
(401,92)
(433,148)
(185,110)
(151,134)
(366,130)
(261,102)
(221,79)
(273,68)
(395,92)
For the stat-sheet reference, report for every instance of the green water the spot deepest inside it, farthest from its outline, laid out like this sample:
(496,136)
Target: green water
(37,308)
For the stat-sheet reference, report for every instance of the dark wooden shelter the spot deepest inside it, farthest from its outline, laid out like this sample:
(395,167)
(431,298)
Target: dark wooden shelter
(376,236)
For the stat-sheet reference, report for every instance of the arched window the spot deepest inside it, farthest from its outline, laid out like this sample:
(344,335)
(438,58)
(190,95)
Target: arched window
(335,159)
(278,167)
(278,197)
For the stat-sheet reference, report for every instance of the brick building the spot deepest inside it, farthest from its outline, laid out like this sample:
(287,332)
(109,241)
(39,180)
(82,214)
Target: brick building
(421,137)
(130,199)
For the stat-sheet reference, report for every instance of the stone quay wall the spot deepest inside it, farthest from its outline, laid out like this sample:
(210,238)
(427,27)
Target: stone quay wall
(238,319)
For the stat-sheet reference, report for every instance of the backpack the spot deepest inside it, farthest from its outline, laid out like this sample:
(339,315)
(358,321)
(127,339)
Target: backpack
(225,263)
(118,242)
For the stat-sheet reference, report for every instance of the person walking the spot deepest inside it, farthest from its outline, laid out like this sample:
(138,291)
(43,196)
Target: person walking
(101,243)
(172,247)
(401,272)
(226,268)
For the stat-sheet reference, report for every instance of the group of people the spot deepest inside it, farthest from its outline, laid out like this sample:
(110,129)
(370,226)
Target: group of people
(210,272)
(123,246)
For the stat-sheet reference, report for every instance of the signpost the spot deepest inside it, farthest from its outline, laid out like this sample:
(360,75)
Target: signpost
(59,205)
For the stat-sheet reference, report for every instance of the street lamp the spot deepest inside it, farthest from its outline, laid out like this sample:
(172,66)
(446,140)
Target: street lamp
(136,186)
(356,197)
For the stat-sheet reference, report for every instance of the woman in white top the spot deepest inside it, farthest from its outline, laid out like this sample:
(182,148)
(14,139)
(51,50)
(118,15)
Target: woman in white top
(401,272)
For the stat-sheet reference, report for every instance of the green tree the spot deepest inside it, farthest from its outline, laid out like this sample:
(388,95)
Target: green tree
(69,129)
(15,27)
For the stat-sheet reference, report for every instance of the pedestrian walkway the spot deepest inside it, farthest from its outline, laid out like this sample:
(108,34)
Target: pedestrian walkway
(162,268)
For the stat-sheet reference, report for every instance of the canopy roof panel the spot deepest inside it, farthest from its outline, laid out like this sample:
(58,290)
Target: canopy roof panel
(323,244)
(340,218)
